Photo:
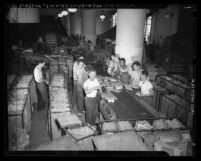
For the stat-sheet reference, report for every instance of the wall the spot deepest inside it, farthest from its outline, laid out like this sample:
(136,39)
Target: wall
(162,27)
(102,26)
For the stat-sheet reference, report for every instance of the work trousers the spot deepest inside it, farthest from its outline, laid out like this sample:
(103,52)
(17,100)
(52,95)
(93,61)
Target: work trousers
(91,105)
(80,98)
(42,95)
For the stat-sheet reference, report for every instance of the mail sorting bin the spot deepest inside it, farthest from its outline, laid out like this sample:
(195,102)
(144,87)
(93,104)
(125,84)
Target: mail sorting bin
(23,116)
(174,85)
(172,106)
(153,101)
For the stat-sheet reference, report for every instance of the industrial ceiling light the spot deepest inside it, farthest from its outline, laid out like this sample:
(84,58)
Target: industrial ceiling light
(102,17)
(64,13)
(72,9)
(60,15)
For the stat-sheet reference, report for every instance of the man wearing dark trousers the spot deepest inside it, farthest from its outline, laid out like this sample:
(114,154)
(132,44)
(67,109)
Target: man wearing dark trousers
(41,86)
(91,87)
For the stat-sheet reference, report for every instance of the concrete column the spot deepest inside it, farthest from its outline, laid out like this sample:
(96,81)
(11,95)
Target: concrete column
(130,34)
(28,15)
(75,23)
(102,26)
(67,24)
(89,24)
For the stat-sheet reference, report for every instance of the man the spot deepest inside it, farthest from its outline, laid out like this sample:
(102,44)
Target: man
(85,74)
(75,66)
(91,87)
(145,85)
(90,48)
(41,85)
(112,67)
(135,74)
(80,92)
(124,76)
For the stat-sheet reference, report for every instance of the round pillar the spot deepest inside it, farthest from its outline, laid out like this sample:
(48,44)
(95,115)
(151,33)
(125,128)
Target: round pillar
(89,25)
(75,23)
(67,24)
(130,34)
(102,26)
(28,15)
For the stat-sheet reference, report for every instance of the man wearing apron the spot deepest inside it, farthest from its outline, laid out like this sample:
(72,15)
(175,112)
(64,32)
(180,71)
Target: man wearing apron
(41,86)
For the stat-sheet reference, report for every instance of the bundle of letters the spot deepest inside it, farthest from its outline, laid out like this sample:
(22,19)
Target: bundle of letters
(57,80)
(17,101)
(10,79)
(24,81)
(109,96)
(59,100)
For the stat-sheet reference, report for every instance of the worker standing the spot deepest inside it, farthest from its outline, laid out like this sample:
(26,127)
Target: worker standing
(41,85)
(91,87)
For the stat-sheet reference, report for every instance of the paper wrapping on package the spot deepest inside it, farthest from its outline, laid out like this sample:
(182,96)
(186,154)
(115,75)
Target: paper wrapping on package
(172,148)
(109,127)
(160,124)
(69,120)
(24,81)
(175,123)
(124,125)
(140,125)
(128,141)
(81,132)
(10,79)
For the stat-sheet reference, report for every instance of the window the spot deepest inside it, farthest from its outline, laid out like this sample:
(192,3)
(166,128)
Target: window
(114,19)
(148,29)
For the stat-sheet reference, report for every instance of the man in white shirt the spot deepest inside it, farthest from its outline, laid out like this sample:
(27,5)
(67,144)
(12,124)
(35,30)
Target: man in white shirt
(41,85)
(145,85)
(91,87)
(75,66)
